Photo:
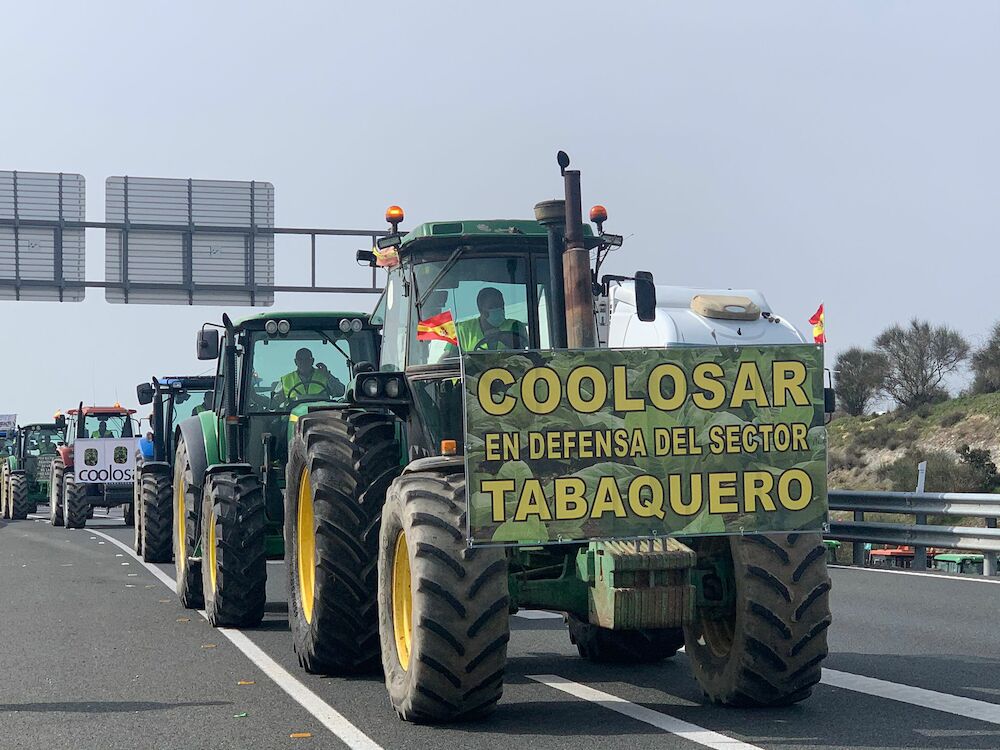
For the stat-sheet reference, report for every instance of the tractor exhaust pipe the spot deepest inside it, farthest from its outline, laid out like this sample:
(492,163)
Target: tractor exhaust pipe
(581,332)
(552,216)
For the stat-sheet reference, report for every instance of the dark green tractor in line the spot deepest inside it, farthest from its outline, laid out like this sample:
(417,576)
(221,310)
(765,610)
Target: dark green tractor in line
(229,462)
(379,560)
(173,398)
(25,474)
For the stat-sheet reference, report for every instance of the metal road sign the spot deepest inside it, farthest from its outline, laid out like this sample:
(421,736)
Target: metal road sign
(189,241)
(41,251)
(167,241)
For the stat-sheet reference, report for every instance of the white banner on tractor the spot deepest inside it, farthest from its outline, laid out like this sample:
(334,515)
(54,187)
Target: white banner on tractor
(8,422)
(105,460)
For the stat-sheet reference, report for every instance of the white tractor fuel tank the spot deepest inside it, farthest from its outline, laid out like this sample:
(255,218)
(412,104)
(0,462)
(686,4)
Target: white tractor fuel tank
(688,316)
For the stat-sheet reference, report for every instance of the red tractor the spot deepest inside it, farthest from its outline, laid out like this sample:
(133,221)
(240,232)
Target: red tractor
(82,482)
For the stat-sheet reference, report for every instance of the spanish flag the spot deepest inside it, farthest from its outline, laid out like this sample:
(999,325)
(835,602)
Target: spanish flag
(440,327)
(818,322)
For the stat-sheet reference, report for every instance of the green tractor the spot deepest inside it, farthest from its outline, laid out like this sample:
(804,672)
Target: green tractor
(173,398)
(273,369)
(25,474)
(379,522)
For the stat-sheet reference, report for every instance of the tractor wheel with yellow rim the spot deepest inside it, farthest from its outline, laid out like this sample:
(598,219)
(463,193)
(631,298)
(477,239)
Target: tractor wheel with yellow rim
(339,467)
(234,557)
(443,606)
(4,513)
(187,529)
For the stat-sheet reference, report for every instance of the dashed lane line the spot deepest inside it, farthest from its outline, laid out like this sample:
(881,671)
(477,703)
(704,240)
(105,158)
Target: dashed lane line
(951,704)
(679,727)
(326,714)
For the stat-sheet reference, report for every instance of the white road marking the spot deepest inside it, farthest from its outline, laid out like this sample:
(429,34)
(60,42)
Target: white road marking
(538,614)
(950,704)
(667,723)
(974,579)
(326,714)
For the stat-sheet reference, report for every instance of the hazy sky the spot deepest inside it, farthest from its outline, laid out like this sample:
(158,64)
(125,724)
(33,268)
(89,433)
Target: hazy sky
(837,151)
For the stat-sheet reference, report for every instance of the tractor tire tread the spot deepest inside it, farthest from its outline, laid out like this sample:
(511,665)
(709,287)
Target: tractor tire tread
(461,627)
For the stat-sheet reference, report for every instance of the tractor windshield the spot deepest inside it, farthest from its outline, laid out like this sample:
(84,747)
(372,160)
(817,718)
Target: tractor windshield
(305,365)
(192,403)
(107,425)
(42,441)
(496,303)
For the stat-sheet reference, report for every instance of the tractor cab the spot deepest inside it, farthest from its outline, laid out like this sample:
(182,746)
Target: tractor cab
(273,368)
(174,398)
(455,287)
(99,422)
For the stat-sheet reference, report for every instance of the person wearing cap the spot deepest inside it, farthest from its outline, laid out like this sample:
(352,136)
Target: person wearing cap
(306,380)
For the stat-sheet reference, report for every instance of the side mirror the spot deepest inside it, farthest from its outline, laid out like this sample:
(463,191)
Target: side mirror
(365,257)
(208,343)
(61,421)
(144,392)
(645,296)
(829,400)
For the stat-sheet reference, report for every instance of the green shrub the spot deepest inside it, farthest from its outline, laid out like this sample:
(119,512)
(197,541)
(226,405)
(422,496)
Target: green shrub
(952,418)
(944,474)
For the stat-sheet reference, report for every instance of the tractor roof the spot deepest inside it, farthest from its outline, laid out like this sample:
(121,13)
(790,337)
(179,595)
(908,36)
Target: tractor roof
(40,426)
(958,557)
(188,382)
(97,411)
(483,231)
(258,320)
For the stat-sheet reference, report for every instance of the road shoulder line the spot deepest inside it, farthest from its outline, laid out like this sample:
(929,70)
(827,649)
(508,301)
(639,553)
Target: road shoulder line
(981,579)
(326,714)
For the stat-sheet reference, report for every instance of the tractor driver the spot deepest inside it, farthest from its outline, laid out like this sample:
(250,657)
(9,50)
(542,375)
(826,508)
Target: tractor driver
(46,446)
(492,330)
(102,430)
(207,404)
(306,380)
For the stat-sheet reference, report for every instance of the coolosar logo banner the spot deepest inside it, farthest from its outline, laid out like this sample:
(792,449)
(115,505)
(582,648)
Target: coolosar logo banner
(106,460)
(623,443)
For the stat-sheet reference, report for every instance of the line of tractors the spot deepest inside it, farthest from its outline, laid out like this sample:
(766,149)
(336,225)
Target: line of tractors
(334,441)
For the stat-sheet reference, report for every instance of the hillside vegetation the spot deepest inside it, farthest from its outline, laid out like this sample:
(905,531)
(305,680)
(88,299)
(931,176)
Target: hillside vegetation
(881,452)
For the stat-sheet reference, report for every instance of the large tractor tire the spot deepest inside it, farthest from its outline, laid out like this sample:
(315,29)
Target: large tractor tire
(186,530)
(19,505)
(339,468)
(4,492)
(234,558)
(75,502)
(443,606)
(156,517)
(768,649)
(56,492)
(137,501)
(624,646)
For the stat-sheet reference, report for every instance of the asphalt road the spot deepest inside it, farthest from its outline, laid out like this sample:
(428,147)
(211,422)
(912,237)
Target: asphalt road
(96,652)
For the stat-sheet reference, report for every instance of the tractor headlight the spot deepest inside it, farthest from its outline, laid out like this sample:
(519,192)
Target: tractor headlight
(356,325)
(392,388)
(284,327)
(271,327)
(370,387)
(345,325)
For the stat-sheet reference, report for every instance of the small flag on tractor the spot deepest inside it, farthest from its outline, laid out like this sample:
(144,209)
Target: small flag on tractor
(440,327)
(818,322)
(387,258)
